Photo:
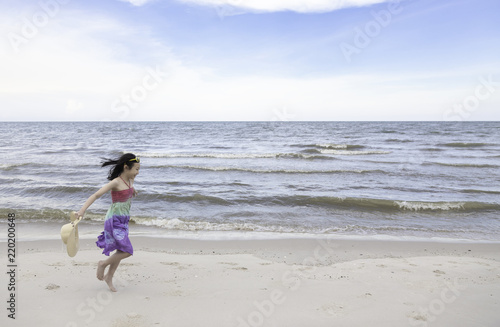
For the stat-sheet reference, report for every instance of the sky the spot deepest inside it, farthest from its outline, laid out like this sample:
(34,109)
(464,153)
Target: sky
(249,60)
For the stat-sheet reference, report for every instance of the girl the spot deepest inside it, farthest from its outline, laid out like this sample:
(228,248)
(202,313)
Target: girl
(115,236)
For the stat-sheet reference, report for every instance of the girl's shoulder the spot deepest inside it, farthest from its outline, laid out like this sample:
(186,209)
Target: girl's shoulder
(119,184)
(115,184)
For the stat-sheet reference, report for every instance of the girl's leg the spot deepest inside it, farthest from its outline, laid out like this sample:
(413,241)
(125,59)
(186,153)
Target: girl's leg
(113,262)
(112,268)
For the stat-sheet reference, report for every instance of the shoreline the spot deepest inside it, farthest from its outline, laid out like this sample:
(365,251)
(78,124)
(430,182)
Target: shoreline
(41,231)
(291,250)
(283,282)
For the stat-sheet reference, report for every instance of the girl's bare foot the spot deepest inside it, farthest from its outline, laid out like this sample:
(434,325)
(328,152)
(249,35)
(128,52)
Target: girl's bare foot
(109,281)
(100,270)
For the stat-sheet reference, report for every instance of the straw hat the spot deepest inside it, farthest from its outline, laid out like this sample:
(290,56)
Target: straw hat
(69,234)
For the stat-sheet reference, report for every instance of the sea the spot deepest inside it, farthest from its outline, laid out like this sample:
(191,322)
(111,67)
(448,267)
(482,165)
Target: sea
(217,180)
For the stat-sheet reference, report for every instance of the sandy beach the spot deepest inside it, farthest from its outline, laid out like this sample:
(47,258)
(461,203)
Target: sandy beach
(285,282)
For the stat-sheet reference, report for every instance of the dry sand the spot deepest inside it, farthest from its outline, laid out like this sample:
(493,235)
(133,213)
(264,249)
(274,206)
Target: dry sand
(288,282)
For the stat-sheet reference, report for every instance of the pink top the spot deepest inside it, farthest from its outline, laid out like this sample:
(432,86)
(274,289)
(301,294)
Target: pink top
(123,195)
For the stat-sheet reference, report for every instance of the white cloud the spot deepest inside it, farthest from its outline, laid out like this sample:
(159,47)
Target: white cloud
(137,3)
(301,6)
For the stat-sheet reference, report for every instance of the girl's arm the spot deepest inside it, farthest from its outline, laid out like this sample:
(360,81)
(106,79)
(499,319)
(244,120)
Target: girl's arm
(113,184)
(132,185)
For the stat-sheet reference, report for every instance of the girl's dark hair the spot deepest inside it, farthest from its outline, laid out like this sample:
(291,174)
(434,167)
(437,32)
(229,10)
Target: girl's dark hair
(117,165)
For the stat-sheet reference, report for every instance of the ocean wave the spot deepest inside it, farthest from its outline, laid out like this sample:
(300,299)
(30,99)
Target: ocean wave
(207,155)
(44,214)
(177,198)
(446,206)
(383,204)
(318,147)
(465,165)
(299,145)
(466,145)
(314,151)
(399,141)
(353,153)
(185,225)
(339,146)
(356,230)
(286,201)
(480,191)
(8,167)
(59,191)
(350,203)
(179,224)
(271,171)
(232,155)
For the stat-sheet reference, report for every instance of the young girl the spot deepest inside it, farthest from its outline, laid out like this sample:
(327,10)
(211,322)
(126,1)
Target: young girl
(115,236)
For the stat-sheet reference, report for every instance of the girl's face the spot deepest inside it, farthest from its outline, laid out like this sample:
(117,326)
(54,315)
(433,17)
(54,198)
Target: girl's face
(134,171)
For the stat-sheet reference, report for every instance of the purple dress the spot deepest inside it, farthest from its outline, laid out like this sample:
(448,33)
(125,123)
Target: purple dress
(115,235)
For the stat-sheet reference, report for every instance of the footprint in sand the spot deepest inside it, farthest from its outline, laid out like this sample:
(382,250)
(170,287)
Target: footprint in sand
(56,264)
(176,264)
(83,263)
(334,310)
(52,287)
(482,264)
(239,268)
(129,264)
(174,293)
(130,320)
(417,316)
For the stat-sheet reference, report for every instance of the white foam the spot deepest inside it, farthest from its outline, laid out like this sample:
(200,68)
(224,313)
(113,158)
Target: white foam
(353,153)
(332,146)
(217,155)
(263,171)
(415,206)
(177,224)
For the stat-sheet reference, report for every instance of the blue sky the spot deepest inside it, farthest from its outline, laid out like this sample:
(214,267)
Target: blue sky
(249,60)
